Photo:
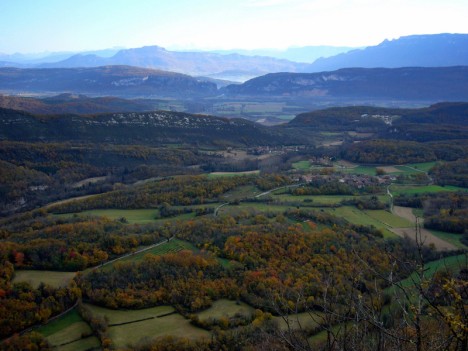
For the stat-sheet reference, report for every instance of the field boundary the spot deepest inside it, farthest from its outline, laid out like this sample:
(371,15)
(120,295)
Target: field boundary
(133,253)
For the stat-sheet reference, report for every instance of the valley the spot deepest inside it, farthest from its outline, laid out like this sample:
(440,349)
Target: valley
(149,204)
(297,201)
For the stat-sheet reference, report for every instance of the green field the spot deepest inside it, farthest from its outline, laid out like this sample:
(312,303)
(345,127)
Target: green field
(146,323)
(316,341)
(389,219)
(231,174)
(60,323)
(241,192)
(304,321)
(356,216)
(324,200)
(400,169)
(367,170)
(451,238)
(411,189)
(452,263)
(85,344)
(316,199)
(140,216)
(68,331)
(226,308)
(173,246)
(254,206)
(55,279)
(301,165)
(424,166)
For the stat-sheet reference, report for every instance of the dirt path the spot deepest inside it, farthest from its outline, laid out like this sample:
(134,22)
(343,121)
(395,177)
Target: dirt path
(427,237)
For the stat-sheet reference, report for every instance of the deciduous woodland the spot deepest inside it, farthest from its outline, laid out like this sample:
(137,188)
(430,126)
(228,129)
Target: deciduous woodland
(343,239)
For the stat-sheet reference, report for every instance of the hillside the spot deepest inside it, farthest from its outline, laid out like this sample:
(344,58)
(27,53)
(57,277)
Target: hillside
(438,50)
(442,121)
(143,128)
(121,81)
(411,83)
(70,103)
(192,63)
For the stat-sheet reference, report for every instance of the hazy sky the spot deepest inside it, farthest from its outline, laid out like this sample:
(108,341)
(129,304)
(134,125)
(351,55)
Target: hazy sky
(71,25)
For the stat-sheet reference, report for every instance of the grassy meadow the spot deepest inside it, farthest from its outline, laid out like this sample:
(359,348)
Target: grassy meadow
(412,189)
(304,321)
(356,216)
(130,326)
(172,246)
(35,278)
(69,332)
(226,308)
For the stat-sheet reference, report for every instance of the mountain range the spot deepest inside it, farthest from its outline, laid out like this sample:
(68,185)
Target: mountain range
(305,54)
(231,66)
(435,50)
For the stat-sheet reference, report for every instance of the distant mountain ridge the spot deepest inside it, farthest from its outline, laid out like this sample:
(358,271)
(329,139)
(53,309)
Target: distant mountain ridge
(192,63)
(409,83)
(121,81)
(434,50)
(305,54)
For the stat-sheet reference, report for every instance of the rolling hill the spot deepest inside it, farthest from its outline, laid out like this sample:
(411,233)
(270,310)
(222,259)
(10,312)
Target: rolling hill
(139,128)
(70,103)
(121,81)
(410,83)
(442,121)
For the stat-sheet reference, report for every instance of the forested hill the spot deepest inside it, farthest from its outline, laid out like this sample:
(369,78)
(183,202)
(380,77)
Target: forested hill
(409,83)
(121,81)
(76,104)
(143,128)
(441,121)
(451,113)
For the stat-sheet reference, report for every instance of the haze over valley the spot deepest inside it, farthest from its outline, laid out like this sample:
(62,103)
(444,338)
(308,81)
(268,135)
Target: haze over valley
(234,175)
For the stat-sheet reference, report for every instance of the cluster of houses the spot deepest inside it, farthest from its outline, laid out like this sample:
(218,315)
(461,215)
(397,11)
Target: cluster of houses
(279,150)
(358,181)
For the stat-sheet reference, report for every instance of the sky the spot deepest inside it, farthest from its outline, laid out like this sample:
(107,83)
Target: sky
(33,26)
